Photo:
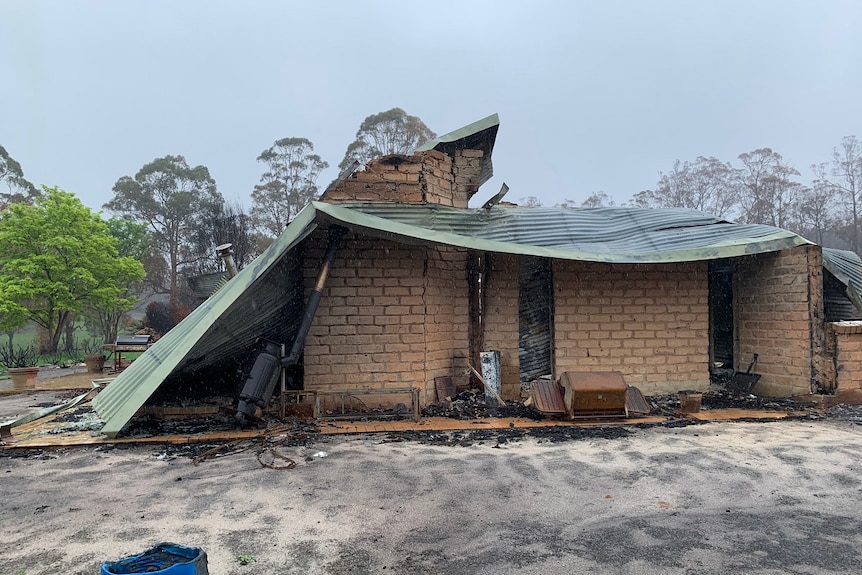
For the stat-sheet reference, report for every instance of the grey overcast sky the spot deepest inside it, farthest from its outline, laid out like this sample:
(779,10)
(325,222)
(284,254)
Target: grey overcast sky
(592,96)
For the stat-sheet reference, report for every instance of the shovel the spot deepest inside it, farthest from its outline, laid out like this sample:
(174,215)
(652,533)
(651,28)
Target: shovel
(743,383)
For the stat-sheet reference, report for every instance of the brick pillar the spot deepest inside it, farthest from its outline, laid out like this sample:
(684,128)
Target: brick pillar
(778,314)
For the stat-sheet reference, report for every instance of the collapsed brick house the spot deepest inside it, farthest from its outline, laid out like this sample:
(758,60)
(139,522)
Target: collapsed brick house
(420,284)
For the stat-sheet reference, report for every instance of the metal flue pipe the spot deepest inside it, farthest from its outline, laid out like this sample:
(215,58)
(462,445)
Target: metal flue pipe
(226,254)
(335,235)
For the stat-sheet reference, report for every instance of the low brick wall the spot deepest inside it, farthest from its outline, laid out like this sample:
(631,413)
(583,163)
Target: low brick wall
(391,316)
(847,337)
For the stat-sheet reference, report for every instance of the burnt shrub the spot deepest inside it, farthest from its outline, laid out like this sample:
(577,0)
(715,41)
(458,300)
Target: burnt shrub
(159,317)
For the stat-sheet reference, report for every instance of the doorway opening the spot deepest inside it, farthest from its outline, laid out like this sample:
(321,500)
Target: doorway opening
(721,327)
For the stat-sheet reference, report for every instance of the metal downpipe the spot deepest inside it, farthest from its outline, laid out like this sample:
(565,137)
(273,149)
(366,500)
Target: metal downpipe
(335,235)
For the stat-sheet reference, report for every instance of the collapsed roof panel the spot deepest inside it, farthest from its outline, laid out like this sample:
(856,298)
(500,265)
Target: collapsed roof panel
(238,313)
(228,321)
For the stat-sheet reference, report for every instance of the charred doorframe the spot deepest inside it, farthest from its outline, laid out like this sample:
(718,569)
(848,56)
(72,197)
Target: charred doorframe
(477,278)
(721,316)
(534,300)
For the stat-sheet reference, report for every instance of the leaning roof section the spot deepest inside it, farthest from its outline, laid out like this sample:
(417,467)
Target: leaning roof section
(847,268)
(202,335)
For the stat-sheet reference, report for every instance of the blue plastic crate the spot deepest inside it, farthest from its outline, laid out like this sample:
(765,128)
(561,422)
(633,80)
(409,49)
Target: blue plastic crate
(163,558)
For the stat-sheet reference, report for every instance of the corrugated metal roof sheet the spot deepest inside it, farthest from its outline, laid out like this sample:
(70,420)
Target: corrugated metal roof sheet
(615,235)
(846,266)
(249,305)
(204,285)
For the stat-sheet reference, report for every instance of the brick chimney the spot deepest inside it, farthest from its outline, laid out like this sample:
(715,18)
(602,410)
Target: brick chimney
(447,171)
(429,177)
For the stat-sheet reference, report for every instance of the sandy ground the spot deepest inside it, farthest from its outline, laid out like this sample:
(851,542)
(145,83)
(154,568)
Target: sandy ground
(753,498)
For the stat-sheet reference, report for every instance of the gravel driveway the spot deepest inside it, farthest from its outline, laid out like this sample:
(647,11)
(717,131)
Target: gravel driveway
(753,498)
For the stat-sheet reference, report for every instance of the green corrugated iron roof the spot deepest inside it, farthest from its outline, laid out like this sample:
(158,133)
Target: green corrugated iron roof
(614,235)
(462,135)
(847,268)
(234,316)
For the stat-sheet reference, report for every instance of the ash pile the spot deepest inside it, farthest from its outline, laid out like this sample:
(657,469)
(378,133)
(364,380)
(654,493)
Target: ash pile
(723,399)
(474,405)
(846,412)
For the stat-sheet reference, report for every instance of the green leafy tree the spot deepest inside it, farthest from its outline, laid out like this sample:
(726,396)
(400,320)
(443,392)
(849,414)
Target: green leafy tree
(58,258)
(14,188)
(288,184)
(173,199)
(133,240)
(390,132)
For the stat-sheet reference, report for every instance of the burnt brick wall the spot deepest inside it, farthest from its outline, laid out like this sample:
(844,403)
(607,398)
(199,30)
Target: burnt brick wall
(778,314)
(391,316)
(446,316)
(429,177)
(394,178)
(649,322)
(501,319)
(847,337)
(467,169)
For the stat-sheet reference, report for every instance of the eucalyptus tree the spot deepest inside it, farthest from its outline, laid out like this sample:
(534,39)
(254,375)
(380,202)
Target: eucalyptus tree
(707,184)
(14,187)
(844,178)
(390,132)
(288,184)
(173,199)
(769,191)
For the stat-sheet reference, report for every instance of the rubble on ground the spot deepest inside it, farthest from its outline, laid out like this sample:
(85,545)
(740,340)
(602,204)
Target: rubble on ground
(552,434)
(722,399)
(467,405)
(473,405)
(845,412)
